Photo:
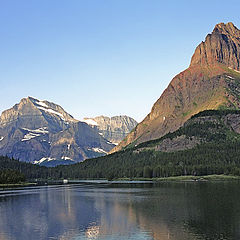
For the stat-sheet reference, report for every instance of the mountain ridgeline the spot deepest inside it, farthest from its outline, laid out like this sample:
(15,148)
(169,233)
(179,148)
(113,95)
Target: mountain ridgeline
(114,129)
(212,81)
(208,143)
(44,133)
(192,129)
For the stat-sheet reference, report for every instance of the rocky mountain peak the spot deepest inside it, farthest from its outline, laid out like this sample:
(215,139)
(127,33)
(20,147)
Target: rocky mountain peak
(211,82)
(227,29)
(221,46)
(32,107)
(51,108)
(114,129)
(44,133)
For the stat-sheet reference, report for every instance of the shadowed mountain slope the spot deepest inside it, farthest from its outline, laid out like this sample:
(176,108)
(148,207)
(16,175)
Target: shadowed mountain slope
(42,132)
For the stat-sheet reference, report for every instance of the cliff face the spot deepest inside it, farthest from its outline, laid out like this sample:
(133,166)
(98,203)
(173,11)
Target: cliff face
(211,82)
(41,131)
(221,46)
(114,129)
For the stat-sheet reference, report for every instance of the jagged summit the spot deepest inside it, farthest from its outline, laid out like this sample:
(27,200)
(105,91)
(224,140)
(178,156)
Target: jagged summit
(32,107)
(221,46)
(43,132)
(114,129)
(51,108)
(212,81)
(227,29)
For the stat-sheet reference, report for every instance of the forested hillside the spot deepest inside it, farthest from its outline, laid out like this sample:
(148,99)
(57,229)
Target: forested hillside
(208,143)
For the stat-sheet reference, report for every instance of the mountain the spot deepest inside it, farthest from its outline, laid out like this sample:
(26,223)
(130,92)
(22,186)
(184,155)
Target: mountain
(209,126)
(212,81)
(43,132)
(114,129)
(208,143)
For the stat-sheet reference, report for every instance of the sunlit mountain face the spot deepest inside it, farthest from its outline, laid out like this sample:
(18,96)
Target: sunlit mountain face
(210,82)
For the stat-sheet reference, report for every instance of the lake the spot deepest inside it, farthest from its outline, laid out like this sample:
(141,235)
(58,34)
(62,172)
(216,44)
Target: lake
(178,211)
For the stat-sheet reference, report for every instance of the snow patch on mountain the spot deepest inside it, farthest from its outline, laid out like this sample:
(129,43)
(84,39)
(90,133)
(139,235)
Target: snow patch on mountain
(99,150)
(29,136)
(51,111)
(43,160)
(66,158)
(41,103)
(32,133)
(39,130)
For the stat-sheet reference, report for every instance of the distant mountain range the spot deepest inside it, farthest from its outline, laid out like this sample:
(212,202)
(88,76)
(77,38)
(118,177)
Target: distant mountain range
(192,129)
(44,133)
(114,129)
(208,143)
(212,81)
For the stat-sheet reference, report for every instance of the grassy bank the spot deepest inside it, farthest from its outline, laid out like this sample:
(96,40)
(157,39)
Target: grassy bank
(185,178)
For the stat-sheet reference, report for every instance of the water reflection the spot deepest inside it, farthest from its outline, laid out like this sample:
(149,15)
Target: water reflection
(88,211)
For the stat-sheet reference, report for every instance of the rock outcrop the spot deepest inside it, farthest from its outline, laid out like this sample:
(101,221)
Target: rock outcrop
(114,129)
(210,126)
(221,46)
(212,81)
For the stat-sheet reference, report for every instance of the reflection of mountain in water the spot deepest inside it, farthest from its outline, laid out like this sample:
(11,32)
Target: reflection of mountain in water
(170,211)
(188,211)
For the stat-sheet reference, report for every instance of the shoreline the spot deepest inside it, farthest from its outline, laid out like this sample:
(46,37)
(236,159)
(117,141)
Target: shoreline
(6,185)
(207,178)
(189,178)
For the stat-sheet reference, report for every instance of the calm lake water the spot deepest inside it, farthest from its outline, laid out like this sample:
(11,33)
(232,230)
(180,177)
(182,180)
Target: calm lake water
(179,211)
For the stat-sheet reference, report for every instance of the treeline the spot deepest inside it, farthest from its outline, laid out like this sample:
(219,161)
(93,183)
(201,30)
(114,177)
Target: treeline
(14,171)
(205,159)
(28,170)
(220,113)
(11,176)
(208,131)
(218,153)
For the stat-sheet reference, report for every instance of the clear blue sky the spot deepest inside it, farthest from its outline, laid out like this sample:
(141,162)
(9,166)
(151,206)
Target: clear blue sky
(101,57)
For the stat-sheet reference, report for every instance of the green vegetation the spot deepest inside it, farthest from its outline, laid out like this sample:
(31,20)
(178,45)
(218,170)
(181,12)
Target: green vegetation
(14,172)
(194,104)
(220,113)
(9,176)
(201,178)
(185,113)
(205,159)
(218,154)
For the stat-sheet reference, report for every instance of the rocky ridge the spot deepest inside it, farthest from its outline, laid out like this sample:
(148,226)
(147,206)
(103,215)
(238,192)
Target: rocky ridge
(114,129)
(205,127)
(212,81)
(43,132)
